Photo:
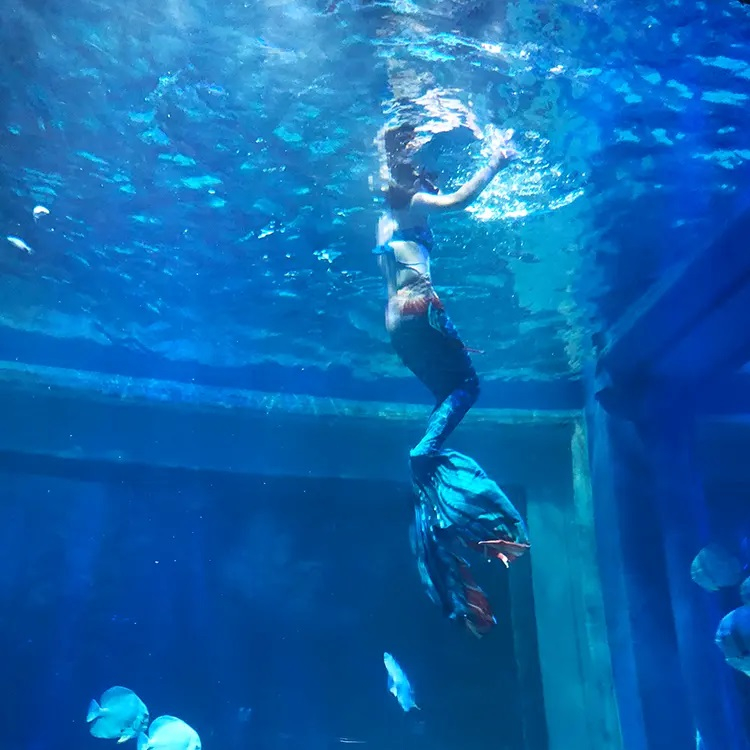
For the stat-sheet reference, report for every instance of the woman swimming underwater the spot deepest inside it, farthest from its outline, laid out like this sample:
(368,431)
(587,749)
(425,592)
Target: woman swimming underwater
(457,506)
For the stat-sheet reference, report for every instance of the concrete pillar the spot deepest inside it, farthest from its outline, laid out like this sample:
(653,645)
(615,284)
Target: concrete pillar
(667,431)
(573,649)
(650,523)
(598,683)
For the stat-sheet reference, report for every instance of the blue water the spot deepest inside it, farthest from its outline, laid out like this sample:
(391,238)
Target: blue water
(205,167)
(208,595)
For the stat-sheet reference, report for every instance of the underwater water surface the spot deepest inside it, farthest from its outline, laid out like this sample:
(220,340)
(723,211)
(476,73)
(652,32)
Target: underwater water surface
(206,170)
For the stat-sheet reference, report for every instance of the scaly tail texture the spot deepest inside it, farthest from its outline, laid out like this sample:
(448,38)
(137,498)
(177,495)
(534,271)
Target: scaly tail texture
(458,505)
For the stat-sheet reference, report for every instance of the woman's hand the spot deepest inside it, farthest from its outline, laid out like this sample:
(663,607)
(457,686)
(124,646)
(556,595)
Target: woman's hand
(502,155)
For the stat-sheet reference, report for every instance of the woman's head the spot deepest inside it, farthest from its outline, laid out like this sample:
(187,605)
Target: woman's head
(405,177)
(399,142)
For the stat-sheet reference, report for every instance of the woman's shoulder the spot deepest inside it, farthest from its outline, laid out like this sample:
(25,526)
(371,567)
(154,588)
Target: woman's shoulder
(409,218)
(393,221)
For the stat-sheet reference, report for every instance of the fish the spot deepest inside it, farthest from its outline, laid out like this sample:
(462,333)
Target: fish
(212,88)
(120,714)
(714,568)
(733,638)
(169,733)
(20,244)
(40,211)
(398,683)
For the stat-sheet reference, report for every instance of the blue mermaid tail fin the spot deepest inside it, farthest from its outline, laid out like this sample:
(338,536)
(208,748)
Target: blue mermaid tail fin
(447,578)
(459,506)
(463,498)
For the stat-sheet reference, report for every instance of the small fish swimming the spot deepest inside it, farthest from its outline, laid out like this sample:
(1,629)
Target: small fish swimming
(169,733)
(40,211)
(120,714)
(398,683)
(212,88)
(20,244)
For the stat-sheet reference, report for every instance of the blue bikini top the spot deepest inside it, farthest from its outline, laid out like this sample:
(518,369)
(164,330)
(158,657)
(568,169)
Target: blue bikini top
(419,235)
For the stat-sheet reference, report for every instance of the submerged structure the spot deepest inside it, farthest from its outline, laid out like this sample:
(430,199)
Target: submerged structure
(620,491)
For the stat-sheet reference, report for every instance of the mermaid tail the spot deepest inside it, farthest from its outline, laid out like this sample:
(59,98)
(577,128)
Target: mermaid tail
(458,507)
(479,618)
(447,577)
(463,498)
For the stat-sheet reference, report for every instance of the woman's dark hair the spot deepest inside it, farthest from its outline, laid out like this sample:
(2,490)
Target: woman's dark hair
(404,184)
(406,178)
(396,142)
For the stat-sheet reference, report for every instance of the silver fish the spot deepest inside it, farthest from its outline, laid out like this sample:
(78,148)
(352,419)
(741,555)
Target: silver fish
(20,244)
(169,733)
(398,683)
(120,714)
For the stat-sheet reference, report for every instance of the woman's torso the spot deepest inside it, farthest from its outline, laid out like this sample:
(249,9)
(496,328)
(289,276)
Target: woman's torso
(405,246)
(408,242)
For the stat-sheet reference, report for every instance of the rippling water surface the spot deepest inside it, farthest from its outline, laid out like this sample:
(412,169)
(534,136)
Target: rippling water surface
(207,169)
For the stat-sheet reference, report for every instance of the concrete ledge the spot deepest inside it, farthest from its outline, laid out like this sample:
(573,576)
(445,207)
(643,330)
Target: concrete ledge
(130,359)
(101,417)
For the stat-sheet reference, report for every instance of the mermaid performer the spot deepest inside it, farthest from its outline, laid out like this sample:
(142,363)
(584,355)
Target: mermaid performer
(457,506)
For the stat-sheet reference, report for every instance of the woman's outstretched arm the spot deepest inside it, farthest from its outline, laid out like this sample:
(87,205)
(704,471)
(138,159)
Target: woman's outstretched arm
(469,191)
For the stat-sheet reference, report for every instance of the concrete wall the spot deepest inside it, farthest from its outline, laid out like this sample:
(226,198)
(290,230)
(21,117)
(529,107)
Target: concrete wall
(651,519)
(56,417)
